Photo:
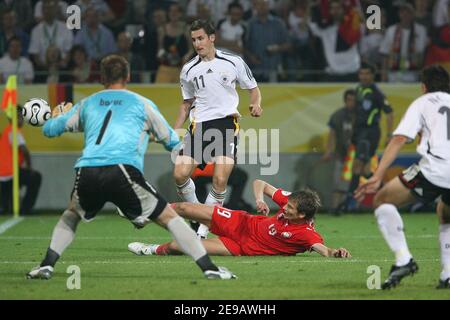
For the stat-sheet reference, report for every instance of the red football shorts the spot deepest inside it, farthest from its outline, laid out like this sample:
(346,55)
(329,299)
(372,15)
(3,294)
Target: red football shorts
(232,228)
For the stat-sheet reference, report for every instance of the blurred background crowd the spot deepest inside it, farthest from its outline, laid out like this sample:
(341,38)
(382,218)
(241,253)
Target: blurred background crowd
(281,40)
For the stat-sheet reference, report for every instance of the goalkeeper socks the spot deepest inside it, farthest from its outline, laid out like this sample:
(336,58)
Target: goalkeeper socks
(206,264)
(186,238)
(64,232)
(190,244)
(50,258)
(187,191)
(390,224)
(444,240)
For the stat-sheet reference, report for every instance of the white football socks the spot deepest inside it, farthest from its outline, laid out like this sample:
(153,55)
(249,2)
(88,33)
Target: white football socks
(214,199)
(186,238)
(187,191)
(64,231)
(390,224)
(444,240)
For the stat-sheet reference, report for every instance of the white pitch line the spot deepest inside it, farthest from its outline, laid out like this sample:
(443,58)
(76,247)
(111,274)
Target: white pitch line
(141,238)
(151,238)
(278,261)
(8,224)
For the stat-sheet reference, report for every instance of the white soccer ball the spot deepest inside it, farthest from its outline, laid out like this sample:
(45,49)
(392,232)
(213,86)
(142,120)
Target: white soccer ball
(36,112)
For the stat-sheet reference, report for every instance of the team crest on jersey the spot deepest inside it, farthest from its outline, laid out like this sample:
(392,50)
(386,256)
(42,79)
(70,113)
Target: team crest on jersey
(367,104)
(286,235)
(225,78)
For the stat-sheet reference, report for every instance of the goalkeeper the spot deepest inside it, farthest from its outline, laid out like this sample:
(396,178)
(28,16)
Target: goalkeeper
(289,232)
(117,124)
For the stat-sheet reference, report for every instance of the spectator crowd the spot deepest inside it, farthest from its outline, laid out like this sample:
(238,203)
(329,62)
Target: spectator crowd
(281,40)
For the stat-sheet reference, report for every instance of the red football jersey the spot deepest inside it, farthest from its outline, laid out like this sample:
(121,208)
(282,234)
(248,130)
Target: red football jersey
(276,235)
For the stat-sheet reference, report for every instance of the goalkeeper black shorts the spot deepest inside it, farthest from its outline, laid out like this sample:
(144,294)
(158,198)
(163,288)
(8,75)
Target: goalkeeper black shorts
(122,185)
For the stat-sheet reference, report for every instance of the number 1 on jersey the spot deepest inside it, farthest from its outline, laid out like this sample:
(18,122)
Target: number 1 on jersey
(446,110)
(104,126)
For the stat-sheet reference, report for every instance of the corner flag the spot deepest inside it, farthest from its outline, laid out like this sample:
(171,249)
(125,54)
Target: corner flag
(9,100)
(9,105)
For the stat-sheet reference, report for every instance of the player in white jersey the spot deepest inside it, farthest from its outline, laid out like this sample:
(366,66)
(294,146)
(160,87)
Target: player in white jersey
(428,117)
(210,100)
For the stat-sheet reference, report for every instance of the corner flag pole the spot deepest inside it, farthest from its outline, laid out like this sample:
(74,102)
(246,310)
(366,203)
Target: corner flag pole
(9,105)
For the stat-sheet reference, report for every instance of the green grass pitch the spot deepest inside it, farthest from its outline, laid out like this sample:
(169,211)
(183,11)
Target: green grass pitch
(109,271)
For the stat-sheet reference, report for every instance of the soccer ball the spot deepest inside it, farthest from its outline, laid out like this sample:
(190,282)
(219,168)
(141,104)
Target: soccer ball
(36,112)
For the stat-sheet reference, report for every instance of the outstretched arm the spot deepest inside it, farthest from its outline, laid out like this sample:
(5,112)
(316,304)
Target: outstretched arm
(160,130)
(255,102)
(330,252)
(389,156)
(261,188)
(183,113)
(64,118)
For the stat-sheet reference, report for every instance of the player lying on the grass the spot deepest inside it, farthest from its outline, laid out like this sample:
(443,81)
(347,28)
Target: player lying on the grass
(289,232)
(428,117)
(117,124)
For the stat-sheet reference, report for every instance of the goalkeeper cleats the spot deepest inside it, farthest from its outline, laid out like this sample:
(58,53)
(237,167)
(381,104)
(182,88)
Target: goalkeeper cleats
(398,273)
(444,284)
(44,273)
(142,249)
(223,274)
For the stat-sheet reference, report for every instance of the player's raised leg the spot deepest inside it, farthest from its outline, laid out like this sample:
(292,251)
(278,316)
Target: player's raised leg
(64,232)
(443,211)
(63,235)
(216,197)
(198,212)
(393,195)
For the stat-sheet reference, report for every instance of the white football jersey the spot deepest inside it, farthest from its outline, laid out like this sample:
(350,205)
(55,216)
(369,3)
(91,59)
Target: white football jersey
(213,85)
(429,115)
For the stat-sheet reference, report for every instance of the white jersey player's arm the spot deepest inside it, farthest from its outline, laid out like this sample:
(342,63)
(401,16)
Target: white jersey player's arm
(66,122)
(255,102)
(330,252)
(183,113)
(408,128)
(390,154)
(188,93)
(248,82)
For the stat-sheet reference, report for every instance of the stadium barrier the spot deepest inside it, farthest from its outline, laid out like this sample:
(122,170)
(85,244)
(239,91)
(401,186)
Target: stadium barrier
(299,111)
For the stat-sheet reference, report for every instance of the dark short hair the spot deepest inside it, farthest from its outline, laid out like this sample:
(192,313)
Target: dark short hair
(349,92)
(206,25)
(235,4)
(12,39)
(436,78)
(368,66)
(114,68)
(306,201)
